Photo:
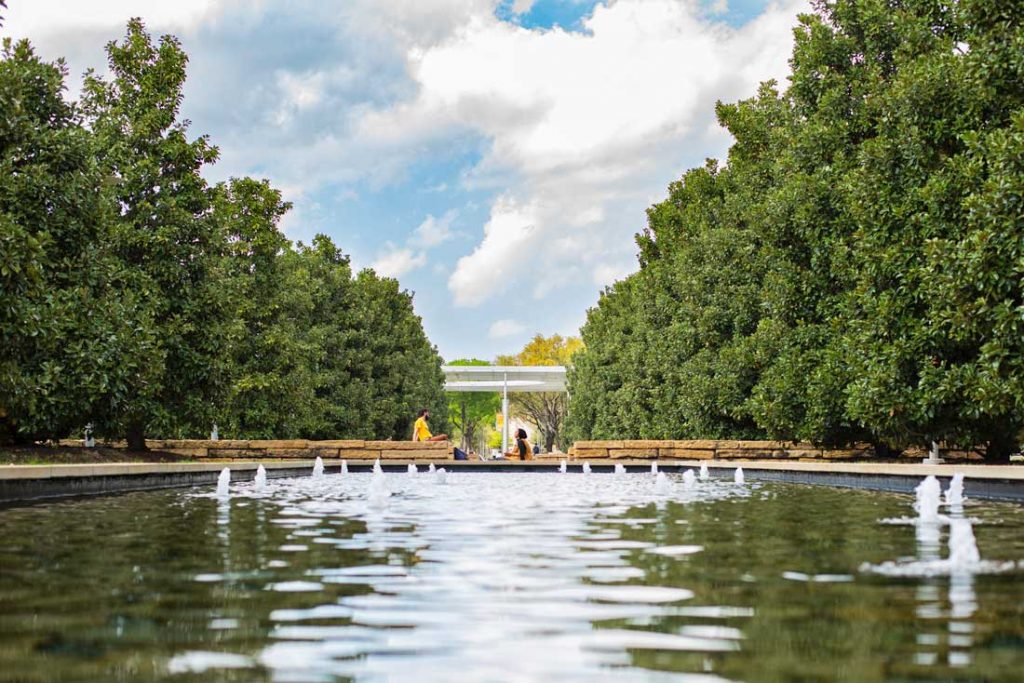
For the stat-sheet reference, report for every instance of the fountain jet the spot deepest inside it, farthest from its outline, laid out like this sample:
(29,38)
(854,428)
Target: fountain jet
(955,492)
(318,467)
(963,548)
(223,481)
(737,477)
(261,478)
(378,492)
(927,503)
(704,474)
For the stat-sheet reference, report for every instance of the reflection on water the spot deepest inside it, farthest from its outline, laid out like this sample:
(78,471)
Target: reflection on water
(504,577)
(945,626)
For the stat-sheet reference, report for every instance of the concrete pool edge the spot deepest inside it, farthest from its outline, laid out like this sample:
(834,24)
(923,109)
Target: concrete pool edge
(26,483)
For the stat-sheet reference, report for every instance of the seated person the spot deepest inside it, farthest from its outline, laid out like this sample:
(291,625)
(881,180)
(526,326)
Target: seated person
(420,431)
(522,450)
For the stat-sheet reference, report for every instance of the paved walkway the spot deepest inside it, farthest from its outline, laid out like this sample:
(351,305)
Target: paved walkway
(997,472)
(26,483)
(120,469)
(1003,472)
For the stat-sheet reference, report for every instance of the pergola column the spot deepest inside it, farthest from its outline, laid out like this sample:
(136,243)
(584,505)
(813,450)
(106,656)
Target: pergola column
(504,379)
(504,414)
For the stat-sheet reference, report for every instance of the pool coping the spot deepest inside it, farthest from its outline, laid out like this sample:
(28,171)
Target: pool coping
(27,483)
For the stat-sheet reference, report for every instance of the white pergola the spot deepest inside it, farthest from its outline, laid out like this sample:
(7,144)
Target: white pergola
(504,379)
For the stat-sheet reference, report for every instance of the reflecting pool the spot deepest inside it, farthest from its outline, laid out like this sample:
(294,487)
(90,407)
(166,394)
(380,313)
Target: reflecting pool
(504,577)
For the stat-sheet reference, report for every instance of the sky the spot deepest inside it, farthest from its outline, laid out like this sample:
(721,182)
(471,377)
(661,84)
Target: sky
(495,156)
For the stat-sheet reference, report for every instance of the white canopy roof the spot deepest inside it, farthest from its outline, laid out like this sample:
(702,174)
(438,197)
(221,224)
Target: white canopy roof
(512,378)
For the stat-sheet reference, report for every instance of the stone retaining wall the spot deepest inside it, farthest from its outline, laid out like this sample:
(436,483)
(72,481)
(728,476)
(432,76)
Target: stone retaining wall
(354,449)
(732,450)
(347,449)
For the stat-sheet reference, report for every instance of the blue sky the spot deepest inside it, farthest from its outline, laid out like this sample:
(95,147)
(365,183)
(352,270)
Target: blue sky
(570,14)
(494,156)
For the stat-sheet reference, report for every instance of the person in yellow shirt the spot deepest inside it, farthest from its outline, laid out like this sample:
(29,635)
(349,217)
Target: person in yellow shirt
(420,431)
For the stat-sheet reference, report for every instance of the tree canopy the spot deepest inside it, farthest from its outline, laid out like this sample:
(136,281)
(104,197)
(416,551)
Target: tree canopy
(546,409)
(853,271)
(470,412)
(140,299)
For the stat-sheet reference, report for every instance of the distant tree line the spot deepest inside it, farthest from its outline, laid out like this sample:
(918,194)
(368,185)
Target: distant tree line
(546,409)
(855,271)
(138,298)
(472,414)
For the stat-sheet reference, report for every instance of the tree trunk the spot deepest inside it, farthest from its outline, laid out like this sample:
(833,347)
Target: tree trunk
(1002,445)
(135,435)
(465,439)
(546,411)
(884,450)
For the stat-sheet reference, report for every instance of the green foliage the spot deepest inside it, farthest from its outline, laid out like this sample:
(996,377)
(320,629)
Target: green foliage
(547,410)
(853,272)
(72,335)
(272,357)
(392,370)
(541,350)
(320,353)
(164,234)
(136,297)
(469,412)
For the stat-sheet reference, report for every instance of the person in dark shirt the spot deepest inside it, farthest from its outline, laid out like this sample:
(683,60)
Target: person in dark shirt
(522,450)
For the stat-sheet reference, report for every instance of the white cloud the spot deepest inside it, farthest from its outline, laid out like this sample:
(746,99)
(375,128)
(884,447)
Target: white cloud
(605,273)
(415,24)
(39,16)
(398,261)
(299,91)
(579,132)
(506,328)
(498,260)
(583,127)
(434,231)
(718,7)
(521,6)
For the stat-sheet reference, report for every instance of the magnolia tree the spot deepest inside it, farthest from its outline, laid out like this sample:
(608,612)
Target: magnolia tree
(136,297)
(852,273)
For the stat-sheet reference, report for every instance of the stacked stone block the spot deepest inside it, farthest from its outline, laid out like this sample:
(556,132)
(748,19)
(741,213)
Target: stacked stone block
(728,450)
(342,449)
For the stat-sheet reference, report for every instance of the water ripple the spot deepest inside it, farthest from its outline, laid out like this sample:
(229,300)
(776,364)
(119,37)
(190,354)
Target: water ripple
(480,571)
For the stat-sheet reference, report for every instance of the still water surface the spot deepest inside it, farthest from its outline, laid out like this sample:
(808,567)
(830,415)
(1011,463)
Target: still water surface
(499,577)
